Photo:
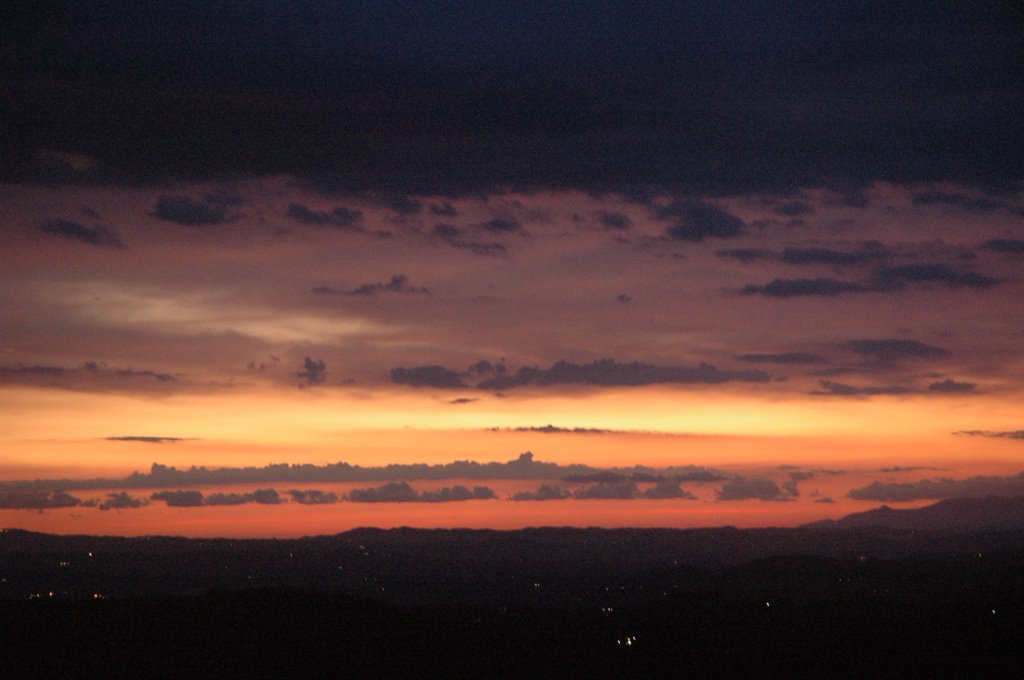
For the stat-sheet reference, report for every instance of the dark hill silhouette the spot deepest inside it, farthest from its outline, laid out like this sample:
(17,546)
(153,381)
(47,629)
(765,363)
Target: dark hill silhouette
(952,514)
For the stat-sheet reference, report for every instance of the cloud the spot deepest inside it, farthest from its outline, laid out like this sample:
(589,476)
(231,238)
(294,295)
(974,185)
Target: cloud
(132,373)
(443,210)
(97,236)
(501,226)
(881,280)
(146,439)
(666,490)
(37,500)
(747,488)
(980,203)
(426,376)
(401,492)
(184,210)
(121,501)
(787,288)
(1003,434)
(784,358)
(695,221)
(890,350)
(951,386)
(16,372)
(551,429)
(628,490)
(399,283)
(898,277)
(826,256)
(824,499)
(179,499)
(402,204)
(613,220)
(545,492)
(313,496)
(608,372)
(463,400)
(265,497)
(339,218)
(1005,245)
(843,390)
(939,488)
(624,490)
(315,371)
(746,255)
(227,499)
(623,298)
(454,237)
(794,209)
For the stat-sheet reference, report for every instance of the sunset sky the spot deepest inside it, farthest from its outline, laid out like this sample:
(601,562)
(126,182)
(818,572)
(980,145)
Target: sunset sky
(780,240)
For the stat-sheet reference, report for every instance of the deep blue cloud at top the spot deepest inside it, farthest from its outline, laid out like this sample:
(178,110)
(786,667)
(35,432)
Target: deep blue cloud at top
(461,96)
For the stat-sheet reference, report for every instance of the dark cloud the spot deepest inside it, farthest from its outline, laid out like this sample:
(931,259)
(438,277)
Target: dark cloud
(824,499)
(623,298)
(443,210)
(890,350)
(746,255)
(315,371)
(747,488)
(339,218)
(551,429)
(266,497)
(132,373)
(695,221)
(401,492)
(454,237)
(502,226)
(784,358)
(184,210)
(608,372)
(227,499)
(951,387)
(794,209)
(939,488)
(399,283)
(146,439)
(121,501)
(666,489)
(668,95)
(97,236)
(881,280)
(1004,434)
(463,400)
(1004,245)
(787,288)
(402,204)
(313,496)
(32,371)
(545,492)
(426,376)
(179,499)
(898,277)
(960,200)
(830,257)
(614,220)
(843,390)
(37,500)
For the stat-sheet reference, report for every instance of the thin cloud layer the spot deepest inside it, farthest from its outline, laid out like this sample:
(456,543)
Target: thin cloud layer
(942,487)
(95,236)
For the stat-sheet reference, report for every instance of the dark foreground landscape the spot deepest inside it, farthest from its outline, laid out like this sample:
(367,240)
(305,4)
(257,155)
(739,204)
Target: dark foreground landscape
(846,599)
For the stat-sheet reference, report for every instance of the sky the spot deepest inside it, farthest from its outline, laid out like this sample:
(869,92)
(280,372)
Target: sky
(779,241)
